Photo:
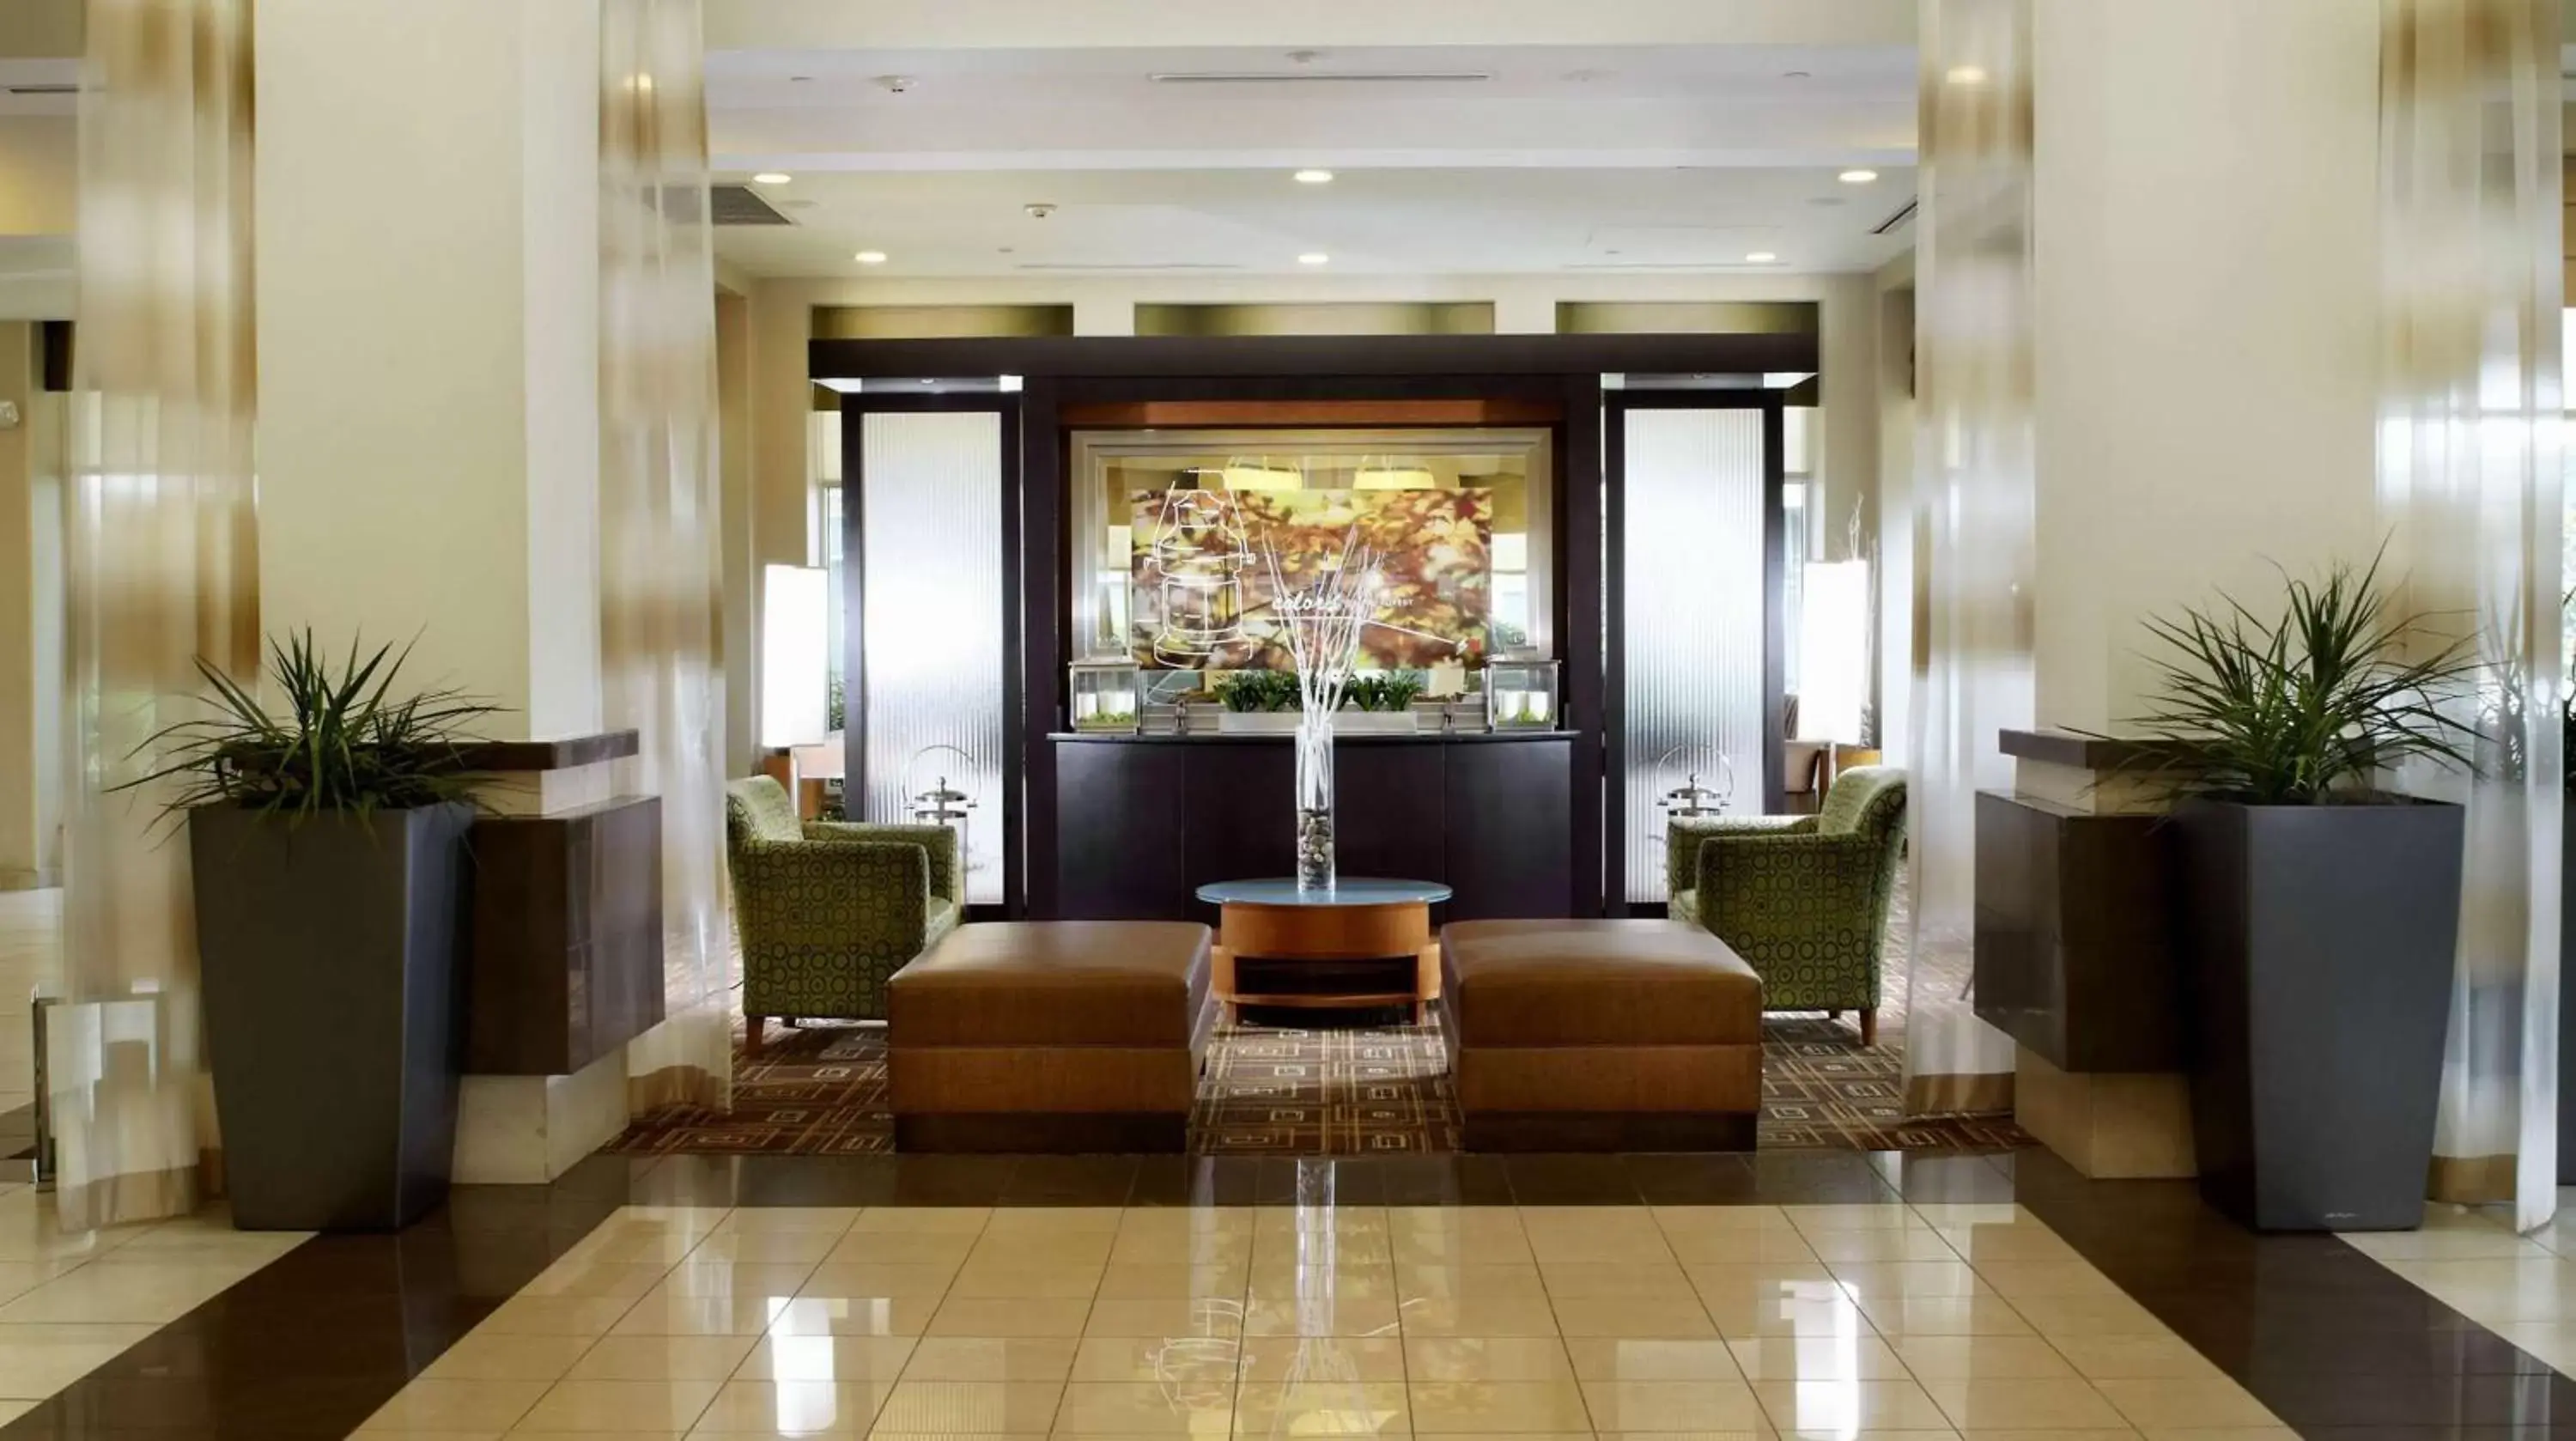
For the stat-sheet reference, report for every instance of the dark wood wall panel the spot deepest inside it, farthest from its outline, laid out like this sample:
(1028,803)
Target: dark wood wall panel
(567,937)
(1509,811)
(1121,856)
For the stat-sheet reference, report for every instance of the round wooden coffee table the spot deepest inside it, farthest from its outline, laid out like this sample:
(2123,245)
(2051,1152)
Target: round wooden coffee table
(1363,942)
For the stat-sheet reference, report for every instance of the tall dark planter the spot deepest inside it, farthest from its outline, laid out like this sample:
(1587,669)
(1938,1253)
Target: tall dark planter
(333,1013)
(2567,1000)
(2320,975)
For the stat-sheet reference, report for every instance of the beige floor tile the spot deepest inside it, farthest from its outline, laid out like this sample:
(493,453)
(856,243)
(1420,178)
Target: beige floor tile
(2552,1343)
(830,1358)
(1729,1282)
(941,1220)
(1620,1236)
(1817,1358)
(990,1358)
(632,1246)
(1309,1252)
(1167,1222)
(1652,1317)
(1894,1244)
(1765,1246)
(655,1358)
(831,1219)
(38,1360)
(1196,1361)
(1446,1316)
(1973,1213)
(1813,1319)
(1322,1316)
(136,1294)
(1464,1248)
(604,1279)
(766,1247)
(1206,1316)
(1476,1282)
(1046,1253)
(2109,1315)
(759,1279)
(849,1316)
(708,1316)
(1487,1358)
(1649,1281)
(621,1407)
(2055,1433)
(1140,1282)
(901,1248)
(1944,1316)
(1854,1216)
(1868,1280)
(1278,1360)
(2223,1433)
(1721,1218)
(1359,1283)
(1049,1221)
(878,1278)
(551,1316)
(2169,1403)
(1980,1358)
(427,1405)
(996,1408)
(2066,1403)
(1125,1408)
(963,1316)
(1326,1217)
(833,1409)
(2494,1292)
(1323,1408)
(2162,1356)
(1842,1408)
(985,1279)
(1630,1406)
(1497,1407)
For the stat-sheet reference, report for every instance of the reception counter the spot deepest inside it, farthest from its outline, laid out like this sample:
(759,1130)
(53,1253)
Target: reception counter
(1142,822)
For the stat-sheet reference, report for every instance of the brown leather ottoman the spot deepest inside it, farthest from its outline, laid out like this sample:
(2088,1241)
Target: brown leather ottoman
(1065,1036)
(1601,1036)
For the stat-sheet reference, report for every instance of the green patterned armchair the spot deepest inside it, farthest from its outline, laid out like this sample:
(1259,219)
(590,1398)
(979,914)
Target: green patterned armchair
(829,912)
(1803,899)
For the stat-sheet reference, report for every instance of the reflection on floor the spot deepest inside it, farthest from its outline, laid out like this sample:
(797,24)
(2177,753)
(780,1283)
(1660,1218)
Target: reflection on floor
(2523,1288)
(1823,1320)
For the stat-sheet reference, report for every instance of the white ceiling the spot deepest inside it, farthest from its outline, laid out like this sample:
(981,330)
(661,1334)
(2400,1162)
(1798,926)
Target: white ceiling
(1585,158)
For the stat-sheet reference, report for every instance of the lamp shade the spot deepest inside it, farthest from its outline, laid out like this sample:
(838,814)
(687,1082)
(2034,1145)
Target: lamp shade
(795,655)
(1833,651)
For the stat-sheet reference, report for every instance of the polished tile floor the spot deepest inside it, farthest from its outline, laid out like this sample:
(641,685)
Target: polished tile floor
(1829,1320)
(2521,1287)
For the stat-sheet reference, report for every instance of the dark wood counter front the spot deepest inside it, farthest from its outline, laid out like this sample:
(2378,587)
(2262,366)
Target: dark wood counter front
(2075,953)
(1143,821)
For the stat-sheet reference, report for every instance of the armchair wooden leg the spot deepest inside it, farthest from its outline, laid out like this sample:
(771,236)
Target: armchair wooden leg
(1869,1025)
(752,1026)
(1833,1015)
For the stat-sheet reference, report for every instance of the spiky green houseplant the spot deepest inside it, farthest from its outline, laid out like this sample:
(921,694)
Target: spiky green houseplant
(2316,914)
(340,738)
(327,817)
(2307,708)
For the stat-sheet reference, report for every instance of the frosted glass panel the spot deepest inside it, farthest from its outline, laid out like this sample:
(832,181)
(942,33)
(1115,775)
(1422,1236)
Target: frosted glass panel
(930,542)
(1692,528)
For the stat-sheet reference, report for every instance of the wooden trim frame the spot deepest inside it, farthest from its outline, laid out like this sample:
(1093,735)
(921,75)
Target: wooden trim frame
(1265,358)
(1613,591)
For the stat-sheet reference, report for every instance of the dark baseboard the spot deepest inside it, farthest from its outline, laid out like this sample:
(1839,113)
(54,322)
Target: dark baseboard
(1610,1130)
(1058,1133)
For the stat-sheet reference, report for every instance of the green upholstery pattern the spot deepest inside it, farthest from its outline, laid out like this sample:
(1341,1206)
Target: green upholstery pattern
(829,912)
(1803,899)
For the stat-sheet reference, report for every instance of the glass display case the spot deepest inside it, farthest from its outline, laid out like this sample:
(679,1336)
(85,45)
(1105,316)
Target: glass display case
(1520,695)
(1106,696)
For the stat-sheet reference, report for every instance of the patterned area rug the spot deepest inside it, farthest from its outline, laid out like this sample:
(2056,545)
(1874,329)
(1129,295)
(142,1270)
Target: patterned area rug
(1309,1091)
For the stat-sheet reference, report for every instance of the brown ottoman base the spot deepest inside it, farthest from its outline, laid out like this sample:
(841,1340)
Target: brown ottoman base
(1601,1036)
(1065,1037)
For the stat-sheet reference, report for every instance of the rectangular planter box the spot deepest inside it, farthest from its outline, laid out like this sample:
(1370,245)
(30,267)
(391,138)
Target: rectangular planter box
(334,1013)
(2321,942)
(1374,723)
(1257,722)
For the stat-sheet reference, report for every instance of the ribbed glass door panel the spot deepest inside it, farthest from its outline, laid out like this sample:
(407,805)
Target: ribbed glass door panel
(1692,535)
(930,620)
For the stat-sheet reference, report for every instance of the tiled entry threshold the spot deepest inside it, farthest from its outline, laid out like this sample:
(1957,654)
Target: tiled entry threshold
(1828,1296)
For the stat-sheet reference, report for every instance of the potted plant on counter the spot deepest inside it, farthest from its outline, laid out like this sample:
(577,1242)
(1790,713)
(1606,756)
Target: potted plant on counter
(327,847)
(2321,909)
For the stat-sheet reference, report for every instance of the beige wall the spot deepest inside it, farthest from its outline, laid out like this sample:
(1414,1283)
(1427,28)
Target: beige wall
(1892,292)
(735,638)
(2207,300)
(39,174)
(30,621)
(40,30)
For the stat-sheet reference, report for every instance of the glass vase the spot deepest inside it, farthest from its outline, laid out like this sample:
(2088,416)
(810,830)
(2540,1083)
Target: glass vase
(1315,802)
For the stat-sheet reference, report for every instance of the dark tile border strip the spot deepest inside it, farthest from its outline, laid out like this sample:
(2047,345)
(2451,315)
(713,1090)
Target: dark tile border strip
(2338,1346)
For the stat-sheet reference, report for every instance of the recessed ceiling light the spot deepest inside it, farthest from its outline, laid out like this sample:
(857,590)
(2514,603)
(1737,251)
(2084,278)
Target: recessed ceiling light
(1797,75)
(1760,257)
(1314,257)
(870,257)
(772,177)
(1857,177)
(1965,75)
(1314,177)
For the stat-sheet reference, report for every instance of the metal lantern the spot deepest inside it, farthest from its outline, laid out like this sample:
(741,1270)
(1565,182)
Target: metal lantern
(1198,552)
(1521,695)
(932,799)
(1106,696)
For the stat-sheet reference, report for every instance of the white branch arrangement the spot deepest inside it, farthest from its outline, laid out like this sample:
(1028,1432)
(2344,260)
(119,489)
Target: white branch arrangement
(1322,624)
